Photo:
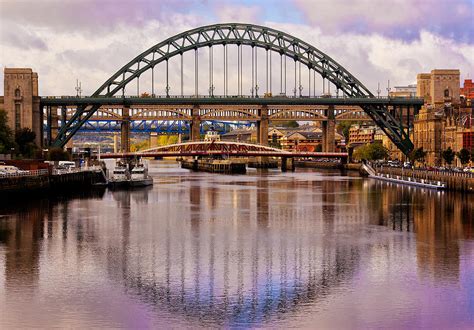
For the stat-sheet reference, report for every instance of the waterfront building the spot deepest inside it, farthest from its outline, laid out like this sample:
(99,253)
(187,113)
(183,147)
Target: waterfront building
(445,119)
(467,91)
(361,134)
(21,101)
(404,91)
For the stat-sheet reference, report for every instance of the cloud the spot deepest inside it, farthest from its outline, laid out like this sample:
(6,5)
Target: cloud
(403,19)
(236,13)
(62,46)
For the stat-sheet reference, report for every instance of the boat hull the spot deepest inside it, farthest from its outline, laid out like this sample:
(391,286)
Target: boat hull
(141,182)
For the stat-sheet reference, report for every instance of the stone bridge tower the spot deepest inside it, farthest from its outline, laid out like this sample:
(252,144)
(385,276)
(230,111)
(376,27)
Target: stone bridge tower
(21,101)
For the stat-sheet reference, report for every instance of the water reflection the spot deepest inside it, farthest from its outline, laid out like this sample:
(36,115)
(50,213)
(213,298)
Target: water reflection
(206,250)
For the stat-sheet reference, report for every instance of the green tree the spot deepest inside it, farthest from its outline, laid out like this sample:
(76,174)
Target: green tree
(448,155)
(417,155)
(6,136)
(464,155)
(373,151)
(57,154)
(25,138)
(290,124)
(343,127)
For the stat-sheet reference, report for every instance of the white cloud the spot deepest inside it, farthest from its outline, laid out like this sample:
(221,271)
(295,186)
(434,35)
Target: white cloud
(93,57)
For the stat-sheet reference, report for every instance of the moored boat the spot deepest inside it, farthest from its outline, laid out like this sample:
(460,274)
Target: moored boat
(139,176)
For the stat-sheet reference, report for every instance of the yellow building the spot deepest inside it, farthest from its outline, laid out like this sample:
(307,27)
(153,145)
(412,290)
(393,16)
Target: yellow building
(441,121)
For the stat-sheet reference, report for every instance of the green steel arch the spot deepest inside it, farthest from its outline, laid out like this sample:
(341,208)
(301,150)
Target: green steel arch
(249,35)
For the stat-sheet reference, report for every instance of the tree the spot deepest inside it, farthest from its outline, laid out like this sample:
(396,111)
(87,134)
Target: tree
(290,124)
(448,155)
(344,127)
(417,155)
(57,154)
(464,155)
(25,138)
(6,136)
(371,151)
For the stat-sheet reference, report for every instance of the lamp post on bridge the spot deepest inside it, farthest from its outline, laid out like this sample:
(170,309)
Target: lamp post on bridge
(211,91)
(256,90)
(301,90)
(167,89)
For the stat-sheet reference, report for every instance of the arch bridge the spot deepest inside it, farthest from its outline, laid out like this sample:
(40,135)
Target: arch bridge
(391,115)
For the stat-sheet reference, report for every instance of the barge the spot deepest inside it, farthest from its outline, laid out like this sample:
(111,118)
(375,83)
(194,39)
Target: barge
(225,166)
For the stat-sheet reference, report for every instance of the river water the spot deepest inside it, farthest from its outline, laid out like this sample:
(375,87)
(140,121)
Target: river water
(265,249)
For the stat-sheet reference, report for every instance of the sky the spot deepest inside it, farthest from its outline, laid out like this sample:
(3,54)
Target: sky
(375,40)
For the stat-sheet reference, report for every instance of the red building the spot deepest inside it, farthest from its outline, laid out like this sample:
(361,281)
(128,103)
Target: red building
(468,89)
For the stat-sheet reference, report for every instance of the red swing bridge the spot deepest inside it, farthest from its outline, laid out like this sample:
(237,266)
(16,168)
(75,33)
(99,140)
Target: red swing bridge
(223,148)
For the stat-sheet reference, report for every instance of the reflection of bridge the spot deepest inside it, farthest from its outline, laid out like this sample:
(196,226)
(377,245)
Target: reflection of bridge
(393,116)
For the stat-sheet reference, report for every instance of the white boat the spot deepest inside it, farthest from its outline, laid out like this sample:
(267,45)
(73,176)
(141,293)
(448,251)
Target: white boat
(139,176)
(120,175)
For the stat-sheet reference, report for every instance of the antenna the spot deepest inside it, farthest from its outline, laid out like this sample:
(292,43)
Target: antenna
(78,88)
(378,90)
(388,88)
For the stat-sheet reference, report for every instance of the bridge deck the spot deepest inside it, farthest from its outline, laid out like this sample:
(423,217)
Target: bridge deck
(232,100)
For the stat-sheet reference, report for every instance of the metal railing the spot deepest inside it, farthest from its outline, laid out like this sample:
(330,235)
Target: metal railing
(24,173)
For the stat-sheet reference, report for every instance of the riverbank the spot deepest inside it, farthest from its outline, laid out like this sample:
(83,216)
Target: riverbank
(461,182)
(328,165)
(43,180)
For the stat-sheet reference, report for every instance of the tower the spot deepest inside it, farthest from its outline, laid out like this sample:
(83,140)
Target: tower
(21,101)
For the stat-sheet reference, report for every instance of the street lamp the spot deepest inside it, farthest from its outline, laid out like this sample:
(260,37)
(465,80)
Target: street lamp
(211,90)
(167,90)
(256,90)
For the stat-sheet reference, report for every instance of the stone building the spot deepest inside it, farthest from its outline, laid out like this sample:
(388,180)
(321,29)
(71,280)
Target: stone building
(21,101)
(444,120)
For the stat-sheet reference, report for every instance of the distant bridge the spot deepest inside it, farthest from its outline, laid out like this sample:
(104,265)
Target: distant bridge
(221,148)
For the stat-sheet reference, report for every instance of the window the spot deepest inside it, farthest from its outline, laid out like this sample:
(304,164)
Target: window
(446,92)
(17,117)
(17,92)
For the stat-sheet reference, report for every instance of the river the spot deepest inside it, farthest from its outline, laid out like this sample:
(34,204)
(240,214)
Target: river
(265,249)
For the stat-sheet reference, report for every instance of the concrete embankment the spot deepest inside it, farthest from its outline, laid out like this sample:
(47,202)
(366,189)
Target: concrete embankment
(45,181)
(328,165)
(462,182)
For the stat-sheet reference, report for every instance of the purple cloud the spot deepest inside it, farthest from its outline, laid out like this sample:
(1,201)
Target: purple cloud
(403,19)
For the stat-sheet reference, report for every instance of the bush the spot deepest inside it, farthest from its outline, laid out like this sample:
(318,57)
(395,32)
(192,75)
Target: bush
(372,151)
(58,154)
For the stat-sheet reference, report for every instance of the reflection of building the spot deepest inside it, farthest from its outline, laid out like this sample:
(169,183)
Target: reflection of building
(21,101)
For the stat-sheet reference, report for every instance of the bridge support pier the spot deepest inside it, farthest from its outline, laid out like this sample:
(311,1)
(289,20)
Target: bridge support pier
(287,164)
(54,122)
(329,131)
(262,126)
(116,149)
(195,129)
(125,130)
(153,141)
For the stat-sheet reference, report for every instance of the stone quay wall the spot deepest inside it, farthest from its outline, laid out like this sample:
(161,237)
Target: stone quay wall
(463,182)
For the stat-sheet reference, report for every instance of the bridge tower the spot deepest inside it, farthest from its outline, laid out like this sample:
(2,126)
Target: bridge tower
(21,101)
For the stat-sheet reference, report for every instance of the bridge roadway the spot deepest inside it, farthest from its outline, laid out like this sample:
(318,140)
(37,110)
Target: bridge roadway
(195,110)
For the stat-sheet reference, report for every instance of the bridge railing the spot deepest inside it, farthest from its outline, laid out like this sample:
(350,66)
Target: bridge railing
(24,173)
(204,96)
